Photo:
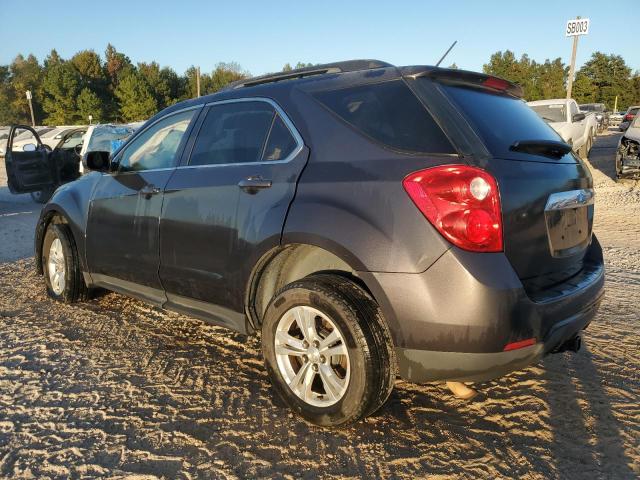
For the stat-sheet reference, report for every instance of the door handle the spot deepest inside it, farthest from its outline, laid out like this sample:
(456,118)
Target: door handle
(149,190)
(254,183)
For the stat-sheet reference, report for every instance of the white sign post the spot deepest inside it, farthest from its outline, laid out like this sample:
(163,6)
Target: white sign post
(575,28)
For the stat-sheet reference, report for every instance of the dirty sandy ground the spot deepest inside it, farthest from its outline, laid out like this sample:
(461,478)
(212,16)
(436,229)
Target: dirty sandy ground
(116,388)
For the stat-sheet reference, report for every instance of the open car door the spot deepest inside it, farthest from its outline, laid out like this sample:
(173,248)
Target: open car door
(30,167)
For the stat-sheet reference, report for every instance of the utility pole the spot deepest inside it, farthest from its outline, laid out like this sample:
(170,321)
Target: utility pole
(572,68)
(575,28)
(615,105)
(33,121)
(198,81)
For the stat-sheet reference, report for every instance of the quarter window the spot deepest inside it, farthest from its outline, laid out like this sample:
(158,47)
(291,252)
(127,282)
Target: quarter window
(157,146)
(233,133)
(390,114)
(280,144)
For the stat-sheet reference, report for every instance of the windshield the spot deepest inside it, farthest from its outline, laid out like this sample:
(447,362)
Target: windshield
(555,112)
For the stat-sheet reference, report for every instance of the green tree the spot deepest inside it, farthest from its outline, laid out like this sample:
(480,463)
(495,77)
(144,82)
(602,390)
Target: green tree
(287,66)
(52,59)
(61,87)
(88,103)
(550,81)
(26,74)
(135,99)
(164,83)
(6,113)
(537,80)
(89,66)
(224,74)
(583,90)
(176,84)
(116,65)
(610,76)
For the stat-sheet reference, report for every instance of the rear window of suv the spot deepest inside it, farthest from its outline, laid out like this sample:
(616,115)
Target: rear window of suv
(499,119)
(388,113)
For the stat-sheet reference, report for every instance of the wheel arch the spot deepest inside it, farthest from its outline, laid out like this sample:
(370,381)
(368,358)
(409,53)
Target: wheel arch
(51,216)
(287,263)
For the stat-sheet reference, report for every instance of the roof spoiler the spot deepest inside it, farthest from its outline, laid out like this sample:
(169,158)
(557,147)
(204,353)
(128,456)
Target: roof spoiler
(465,77)
(336,67)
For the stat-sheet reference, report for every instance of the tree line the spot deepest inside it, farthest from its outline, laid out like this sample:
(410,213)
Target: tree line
(114,89)
(67,91)
(599,80)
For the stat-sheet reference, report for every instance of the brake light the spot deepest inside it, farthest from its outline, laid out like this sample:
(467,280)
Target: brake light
(462,203)
(628,117)
(496,83)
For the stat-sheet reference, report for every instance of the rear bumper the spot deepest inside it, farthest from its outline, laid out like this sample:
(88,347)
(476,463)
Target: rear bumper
(453,321)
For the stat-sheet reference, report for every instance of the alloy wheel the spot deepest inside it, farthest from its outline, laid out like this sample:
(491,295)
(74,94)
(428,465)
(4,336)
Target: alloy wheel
(56,267)
(312,356)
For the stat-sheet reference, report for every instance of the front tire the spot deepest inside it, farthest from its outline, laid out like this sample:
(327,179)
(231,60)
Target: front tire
(327,350)
(61,267)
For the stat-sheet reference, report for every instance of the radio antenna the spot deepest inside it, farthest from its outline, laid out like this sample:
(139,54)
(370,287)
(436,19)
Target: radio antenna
(446,53)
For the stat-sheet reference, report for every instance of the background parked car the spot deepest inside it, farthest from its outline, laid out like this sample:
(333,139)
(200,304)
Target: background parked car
(22,138)
(628,117)
(576,128)
(50,137)
(105,138)
(628,153)
(600,110)
(615,118)
(61,160)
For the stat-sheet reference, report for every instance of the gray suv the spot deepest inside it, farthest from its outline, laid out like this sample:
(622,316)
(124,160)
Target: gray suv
(369,220)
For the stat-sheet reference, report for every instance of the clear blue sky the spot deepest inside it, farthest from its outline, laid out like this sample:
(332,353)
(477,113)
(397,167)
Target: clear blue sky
(264,35)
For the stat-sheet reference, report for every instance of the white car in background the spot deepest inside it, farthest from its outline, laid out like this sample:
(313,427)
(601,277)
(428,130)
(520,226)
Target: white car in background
(105,138)
(576,128)
(50,137)
(22,139)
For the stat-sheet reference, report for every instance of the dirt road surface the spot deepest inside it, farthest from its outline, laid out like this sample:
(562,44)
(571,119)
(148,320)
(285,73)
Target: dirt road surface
(115,388)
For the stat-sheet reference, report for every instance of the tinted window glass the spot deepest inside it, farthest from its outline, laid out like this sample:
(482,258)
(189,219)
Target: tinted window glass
(157,146)
(389,113)
(281,142)
(500,120)
(233,133)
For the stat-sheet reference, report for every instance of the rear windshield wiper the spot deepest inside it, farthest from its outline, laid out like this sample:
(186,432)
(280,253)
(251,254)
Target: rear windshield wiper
(547,148)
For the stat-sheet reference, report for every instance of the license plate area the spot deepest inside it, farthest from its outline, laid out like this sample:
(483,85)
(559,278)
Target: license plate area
(569,218)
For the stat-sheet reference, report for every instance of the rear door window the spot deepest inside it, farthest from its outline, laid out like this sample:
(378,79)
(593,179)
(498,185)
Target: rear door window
(390,114)
(501,120)
(233,133)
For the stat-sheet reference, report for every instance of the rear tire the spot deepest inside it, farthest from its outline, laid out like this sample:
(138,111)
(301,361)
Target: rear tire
(327,306)
(61,266)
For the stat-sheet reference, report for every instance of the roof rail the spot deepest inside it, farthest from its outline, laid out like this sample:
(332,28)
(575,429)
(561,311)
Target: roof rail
(336,67)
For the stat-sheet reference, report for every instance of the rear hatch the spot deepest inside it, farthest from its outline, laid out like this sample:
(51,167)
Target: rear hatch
(545,190)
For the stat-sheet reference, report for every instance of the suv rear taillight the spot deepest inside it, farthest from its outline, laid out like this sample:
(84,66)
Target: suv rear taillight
(628,117)
(462,202)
